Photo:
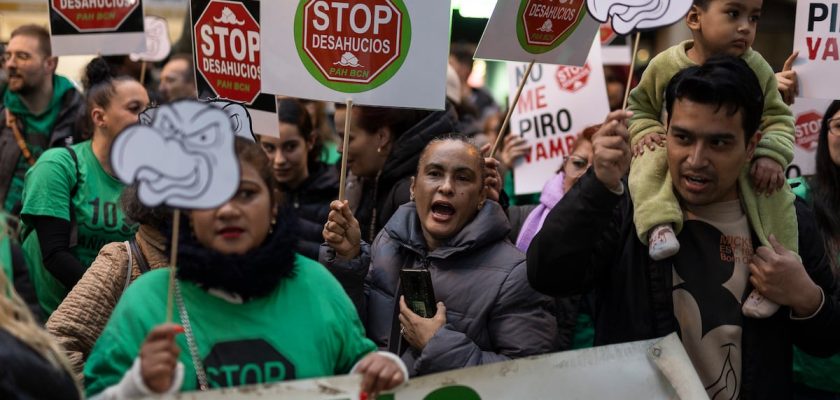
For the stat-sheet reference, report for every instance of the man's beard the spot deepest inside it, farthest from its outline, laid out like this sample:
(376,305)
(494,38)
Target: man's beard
(253,274)
(18,85)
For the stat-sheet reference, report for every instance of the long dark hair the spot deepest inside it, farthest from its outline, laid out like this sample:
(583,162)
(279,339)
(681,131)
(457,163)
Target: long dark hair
(827,188)
(293,112)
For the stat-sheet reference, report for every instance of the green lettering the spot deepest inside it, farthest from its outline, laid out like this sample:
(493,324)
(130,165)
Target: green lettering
(275,371)
(229,370)
(212,373)
(452,393)
(243,374)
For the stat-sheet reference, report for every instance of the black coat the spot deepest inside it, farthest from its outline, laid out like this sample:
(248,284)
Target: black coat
(588,241)
(311,201)
(24,374)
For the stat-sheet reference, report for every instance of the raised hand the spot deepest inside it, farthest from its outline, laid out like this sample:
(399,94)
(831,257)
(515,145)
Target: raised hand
(611,158)
(342,232)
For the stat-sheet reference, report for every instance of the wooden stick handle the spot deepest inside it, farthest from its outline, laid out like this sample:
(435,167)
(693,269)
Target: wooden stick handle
(510,109)
(343,179)
(173,262)
(630,74)
(143,72)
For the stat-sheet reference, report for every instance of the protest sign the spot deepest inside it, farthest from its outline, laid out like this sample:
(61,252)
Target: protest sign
(816,38)
(157,41)
(538,30)
(103,27)
(651,369)
(615,49)
(227,58)
(627,16)
(807,114)
(374,52)
(557,103)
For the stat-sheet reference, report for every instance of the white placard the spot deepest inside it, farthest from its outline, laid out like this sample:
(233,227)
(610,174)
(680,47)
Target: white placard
(102,28)
(816,38)
(157,40)
(557,103)
(652,370)
(807,114)
(334,59)
(508,35)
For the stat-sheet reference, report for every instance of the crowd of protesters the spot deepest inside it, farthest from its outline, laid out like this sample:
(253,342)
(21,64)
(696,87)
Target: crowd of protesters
(673,215)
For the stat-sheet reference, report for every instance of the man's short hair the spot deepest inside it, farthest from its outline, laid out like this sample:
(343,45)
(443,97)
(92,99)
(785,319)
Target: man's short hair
(38,32)
(722,81)
(189,76)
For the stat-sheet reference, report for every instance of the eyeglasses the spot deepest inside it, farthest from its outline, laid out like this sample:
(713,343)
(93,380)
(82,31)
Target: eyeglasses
(575,165)
(834,126)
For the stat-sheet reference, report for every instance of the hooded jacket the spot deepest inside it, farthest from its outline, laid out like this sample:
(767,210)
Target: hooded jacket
(588,242)
(79,320)
(311,201)
(63,131)
(390,189)
(492,314)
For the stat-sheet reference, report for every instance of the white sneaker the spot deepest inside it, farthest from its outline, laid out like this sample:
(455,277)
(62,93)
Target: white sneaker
(663,242)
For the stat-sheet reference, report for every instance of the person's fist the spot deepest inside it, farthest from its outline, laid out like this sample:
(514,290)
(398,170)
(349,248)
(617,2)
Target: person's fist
(611,150)
(768,176)
(342,232)
(778,274)
(159,357)
(379,373)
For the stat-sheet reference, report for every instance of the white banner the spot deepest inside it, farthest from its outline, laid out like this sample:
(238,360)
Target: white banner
(808,114)
(379,52)
(816,38)
(556,104)
(651,369)
(540,30)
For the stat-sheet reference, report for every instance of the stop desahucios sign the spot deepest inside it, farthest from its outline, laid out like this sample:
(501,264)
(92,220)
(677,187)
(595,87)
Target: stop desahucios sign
(227,48)
(94,15)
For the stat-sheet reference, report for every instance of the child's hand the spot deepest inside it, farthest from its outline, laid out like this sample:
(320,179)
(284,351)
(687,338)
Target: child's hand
(767,175)
(651,141)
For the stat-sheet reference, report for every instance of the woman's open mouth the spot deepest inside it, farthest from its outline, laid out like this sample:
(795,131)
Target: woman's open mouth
(442,211)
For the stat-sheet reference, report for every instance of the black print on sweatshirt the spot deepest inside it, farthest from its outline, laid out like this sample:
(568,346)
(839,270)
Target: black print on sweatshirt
(246,362)
(700,263)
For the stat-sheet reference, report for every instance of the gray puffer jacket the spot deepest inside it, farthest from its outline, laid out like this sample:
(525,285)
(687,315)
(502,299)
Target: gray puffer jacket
(492,313)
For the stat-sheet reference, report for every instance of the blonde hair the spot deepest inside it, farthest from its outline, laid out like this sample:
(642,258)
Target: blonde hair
(16,319)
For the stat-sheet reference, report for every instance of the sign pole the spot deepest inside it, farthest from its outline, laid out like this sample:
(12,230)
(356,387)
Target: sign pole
(630,74)
(510,109)
(143,72)
(346,139)
(173,261)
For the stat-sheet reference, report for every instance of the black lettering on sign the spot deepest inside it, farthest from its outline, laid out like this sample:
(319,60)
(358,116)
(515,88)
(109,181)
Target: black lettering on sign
(246,362)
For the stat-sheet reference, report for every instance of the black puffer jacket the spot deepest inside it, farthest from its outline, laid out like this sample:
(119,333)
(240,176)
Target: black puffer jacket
(588,242)
(25,374)
(382,196)
(311,200)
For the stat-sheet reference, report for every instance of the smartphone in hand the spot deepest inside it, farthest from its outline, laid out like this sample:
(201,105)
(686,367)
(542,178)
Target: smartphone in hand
(418,291)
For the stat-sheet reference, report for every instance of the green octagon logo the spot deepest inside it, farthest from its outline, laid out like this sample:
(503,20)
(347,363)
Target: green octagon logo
(542,25)
(352,46)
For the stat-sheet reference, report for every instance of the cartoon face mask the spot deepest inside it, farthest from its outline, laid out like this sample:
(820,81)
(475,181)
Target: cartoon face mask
(629,15)
(184,158)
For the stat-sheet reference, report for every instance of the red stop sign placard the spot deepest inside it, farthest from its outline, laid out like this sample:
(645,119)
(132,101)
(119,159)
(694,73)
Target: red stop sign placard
(352,41)
(94,15)
(606,33)
(545,21)
(227,41)
(572,79)
(808,130)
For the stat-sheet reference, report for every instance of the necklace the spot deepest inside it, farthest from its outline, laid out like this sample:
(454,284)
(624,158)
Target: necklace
(191,344)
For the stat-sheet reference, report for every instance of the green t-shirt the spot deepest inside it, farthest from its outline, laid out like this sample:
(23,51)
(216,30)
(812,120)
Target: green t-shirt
(6,260)
(37,130)
(330,154)
(306,328)
(99,218)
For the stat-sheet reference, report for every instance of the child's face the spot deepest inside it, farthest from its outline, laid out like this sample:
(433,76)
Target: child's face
(726,26)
